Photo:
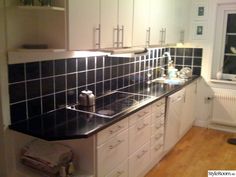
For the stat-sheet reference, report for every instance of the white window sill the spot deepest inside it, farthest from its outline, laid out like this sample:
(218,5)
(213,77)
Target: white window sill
(223,81)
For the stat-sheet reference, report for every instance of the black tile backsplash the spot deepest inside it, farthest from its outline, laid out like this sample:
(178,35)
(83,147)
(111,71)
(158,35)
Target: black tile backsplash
(40,87)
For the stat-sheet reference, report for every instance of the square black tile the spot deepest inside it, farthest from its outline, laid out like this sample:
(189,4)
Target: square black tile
(18,112)
(60,100)
(142,66)
(107,86)
(34,107)
(126,69)
(33,89)
(71,97)
(90,77)
(179,61)
(187,61)
(46,68)
(188,52)
(114,61)
(17,92)
(120,70)
(131,67)
(100,62)
(198,52)
(180,52)
(107,61)
(32,70)
(197,61)
(137,67)
(71,81)
(48,103)
(60,67)
(91,62)
(99,89)
(92,88)
(107,73)
(16,72)
(71,65)
(114,84)
(81,64)
(48,86)
(172,51)
(99,75)
(81,79)
(120,82)
(121,60)
(197,71)
(60,83)
(114,71)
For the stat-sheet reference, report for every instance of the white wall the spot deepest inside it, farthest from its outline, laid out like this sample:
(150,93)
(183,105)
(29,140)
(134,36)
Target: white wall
(206,87)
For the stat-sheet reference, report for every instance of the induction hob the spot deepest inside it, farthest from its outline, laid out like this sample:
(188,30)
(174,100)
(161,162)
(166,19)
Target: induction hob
(113,104)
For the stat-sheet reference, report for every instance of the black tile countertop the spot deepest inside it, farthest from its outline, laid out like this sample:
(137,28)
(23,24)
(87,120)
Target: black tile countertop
(68,124)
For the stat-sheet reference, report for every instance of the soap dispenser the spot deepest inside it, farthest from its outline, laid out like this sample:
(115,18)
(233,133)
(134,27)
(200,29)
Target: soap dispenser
(172,71)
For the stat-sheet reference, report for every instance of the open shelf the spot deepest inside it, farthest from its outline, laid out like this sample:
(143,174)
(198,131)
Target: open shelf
(42,8)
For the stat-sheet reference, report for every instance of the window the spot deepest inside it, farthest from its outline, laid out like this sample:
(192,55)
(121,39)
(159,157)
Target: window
(225,43)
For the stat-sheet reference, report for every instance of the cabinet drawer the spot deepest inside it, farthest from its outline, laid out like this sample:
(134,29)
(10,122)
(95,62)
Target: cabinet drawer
(157,115)
(112,153)
(111,131)
(157,125)
(139,134)
(156,152)
(139,161)
(158,137)
(120,171)
(139,115)
(158,105)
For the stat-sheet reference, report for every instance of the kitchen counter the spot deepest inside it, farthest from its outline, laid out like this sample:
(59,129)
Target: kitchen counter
(65,124)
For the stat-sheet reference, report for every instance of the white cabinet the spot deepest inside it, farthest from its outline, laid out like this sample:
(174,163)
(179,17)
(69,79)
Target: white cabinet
(83,24)
(112,153)
(34,25)
(139,161)
(121,171)
(188,113)
(94,24)
(116,23)
(140,23)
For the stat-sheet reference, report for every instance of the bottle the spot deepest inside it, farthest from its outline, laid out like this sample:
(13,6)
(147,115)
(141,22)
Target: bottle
(171,70)
(219,75)
(71,168)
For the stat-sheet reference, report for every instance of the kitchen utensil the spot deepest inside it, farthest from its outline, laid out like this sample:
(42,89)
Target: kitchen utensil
(86,98)
(185,73)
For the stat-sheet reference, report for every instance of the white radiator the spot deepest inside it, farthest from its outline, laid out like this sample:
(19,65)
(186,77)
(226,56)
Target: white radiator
(224,107)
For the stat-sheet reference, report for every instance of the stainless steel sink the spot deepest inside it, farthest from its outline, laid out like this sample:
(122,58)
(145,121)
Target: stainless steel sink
(162,80)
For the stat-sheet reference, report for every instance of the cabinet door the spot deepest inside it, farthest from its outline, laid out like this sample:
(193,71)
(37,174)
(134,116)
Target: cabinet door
(188,114)
(109,22)
(112,153)
(140,22)
(153,22)
(125,19)
(83,19)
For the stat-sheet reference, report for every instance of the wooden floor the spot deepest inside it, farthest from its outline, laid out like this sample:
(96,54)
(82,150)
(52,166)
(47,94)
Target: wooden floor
(197,152)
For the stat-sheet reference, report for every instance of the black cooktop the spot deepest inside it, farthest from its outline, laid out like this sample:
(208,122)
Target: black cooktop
(113,104)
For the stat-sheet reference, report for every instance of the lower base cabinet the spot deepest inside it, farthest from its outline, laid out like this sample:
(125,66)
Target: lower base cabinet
(132,146)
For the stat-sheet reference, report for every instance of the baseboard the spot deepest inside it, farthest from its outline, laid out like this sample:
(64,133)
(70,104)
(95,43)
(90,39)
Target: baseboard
(201,123)
(224,128)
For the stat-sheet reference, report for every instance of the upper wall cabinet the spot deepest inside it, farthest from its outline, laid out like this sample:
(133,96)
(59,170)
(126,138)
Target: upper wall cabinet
(36,25)
(84,30)
(97,24)
(159,22)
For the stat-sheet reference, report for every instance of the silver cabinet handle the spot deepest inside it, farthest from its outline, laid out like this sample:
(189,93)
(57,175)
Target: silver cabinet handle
(142,114)
(163,36)
(118,173)
(98,43)
(121,42)
(119,127)
(181,36)
(141,154)
(142,127)
(116,144)
(159,136)
(158,147)
(116,36)
(148,33)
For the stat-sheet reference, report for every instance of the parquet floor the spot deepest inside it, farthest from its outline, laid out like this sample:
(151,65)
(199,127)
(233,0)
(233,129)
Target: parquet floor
(197,152)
